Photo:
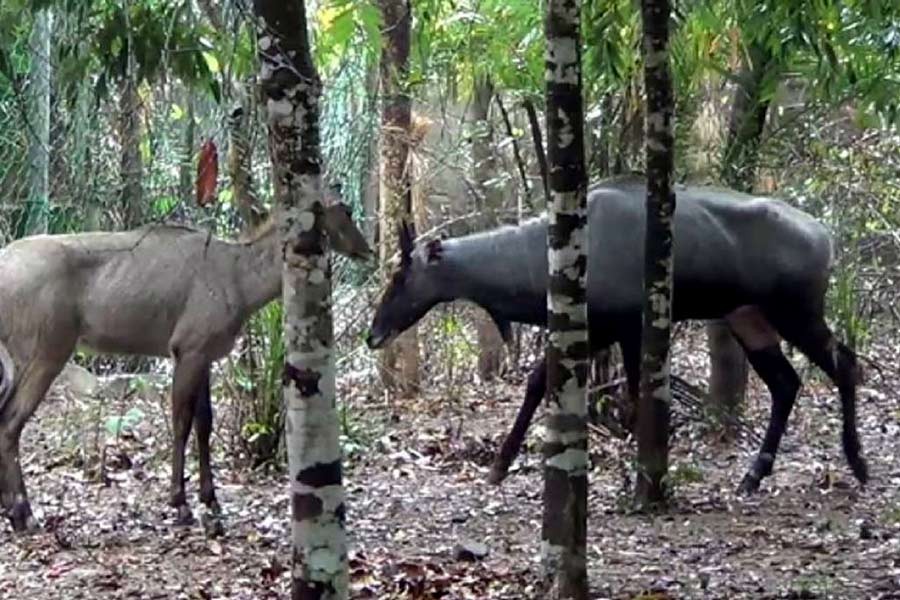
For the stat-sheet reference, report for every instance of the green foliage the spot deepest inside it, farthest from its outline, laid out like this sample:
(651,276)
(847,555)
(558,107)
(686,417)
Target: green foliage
(853,326)
(456,43)
(346,28)
(97,37)
(258,375)
(118,424)
(683,473)
(612,45)
(356,434)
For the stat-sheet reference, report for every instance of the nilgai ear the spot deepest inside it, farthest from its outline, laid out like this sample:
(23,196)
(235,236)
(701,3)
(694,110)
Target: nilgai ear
(434,251)
(406,234)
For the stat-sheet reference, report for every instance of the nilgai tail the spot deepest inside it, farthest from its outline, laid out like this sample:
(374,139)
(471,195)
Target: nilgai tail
(159,290)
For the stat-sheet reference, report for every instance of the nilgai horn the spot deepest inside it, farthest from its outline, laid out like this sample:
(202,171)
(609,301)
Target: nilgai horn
(161,290)
(757,262)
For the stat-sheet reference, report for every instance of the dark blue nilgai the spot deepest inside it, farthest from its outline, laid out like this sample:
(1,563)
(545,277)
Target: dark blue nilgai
(759,263)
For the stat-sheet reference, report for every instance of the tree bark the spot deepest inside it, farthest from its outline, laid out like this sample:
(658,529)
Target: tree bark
(186,171)
(538,142)
(131,167)
(729,370)
(564,532)
(400,360)
(490,343)
(240,167)
(373,182)
(292,89)
(655,393)
(39,76)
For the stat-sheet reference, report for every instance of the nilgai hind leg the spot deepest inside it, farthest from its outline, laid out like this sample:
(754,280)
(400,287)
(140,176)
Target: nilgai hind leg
(761,341)
(203,418)
(188,385)
(30,389)
(812,336)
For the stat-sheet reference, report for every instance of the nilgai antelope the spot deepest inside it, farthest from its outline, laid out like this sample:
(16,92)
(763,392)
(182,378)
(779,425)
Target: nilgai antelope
(161,290)
(759,263)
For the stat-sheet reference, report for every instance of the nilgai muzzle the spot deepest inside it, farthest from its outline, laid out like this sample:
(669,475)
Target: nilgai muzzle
(757,262)
(161,290)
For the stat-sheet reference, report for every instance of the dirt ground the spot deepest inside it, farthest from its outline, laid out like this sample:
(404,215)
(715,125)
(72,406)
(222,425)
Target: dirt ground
(415,476)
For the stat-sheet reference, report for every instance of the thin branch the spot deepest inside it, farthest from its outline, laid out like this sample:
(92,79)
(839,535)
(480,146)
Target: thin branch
(515,143)
(538,145)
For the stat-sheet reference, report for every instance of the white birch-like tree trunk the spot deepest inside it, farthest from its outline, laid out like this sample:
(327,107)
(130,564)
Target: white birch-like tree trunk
(564,531)
(291,92)
(39,78)
(655,394)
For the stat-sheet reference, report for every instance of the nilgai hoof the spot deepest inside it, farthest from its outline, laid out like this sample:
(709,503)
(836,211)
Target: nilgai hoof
(213,524)
(497,474)
(860,470)
(22,520)
(749,485)
(184,518)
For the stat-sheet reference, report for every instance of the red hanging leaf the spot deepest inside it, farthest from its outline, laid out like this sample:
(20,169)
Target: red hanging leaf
(207,173)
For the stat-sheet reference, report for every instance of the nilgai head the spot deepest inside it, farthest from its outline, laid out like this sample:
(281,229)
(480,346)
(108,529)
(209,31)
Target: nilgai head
(412,291)
(345,236)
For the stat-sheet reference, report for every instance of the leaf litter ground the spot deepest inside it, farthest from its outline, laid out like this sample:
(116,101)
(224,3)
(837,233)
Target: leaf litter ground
(421,514)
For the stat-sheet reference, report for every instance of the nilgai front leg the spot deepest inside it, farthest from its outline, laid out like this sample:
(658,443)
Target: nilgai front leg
(188,379)
(30,390)
(535,390)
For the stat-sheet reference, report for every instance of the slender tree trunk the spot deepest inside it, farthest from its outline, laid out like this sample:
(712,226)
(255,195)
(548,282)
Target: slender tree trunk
(564,531)
(187,171)
(600,157)
(240,167)
(655,393)
(213,12)
(292,88)
(484,167)
(631,135)
(400,360)
(40,76)
(728,363)
(372,187)
(538,142)
(82,131)
(728,376)
(131,167)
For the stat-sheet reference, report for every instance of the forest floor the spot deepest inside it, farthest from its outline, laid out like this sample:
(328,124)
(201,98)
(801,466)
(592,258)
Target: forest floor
(416,483)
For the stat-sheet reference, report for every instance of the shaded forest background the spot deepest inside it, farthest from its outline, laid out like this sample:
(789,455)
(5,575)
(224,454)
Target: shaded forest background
(105,107)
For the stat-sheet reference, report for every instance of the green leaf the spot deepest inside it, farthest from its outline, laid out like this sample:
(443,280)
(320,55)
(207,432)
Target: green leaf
(117,424)
(211,61)
(341,29)
(216,90)
(370,17)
